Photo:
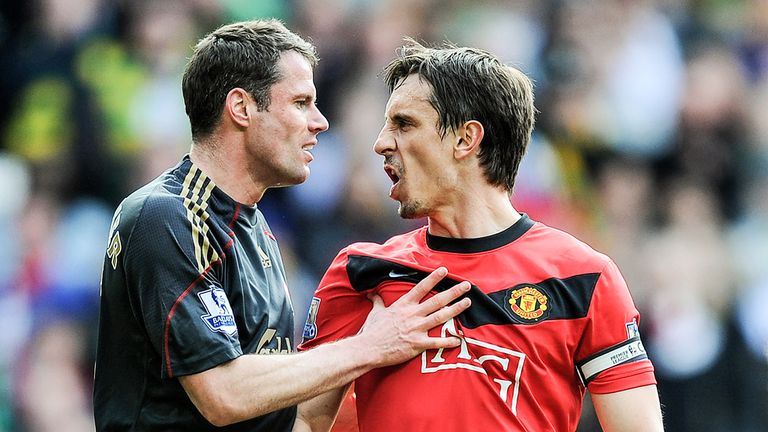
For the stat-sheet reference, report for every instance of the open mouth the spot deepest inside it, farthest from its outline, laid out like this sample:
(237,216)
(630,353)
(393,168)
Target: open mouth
(307,149)
(392,173)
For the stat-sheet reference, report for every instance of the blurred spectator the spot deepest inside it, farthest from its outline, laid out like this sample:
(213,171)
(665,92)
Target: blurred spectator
(57,118)
(155,111)
(754,42)
(625,200)
(712,132)
(54,389)
(690,294)
(621,61)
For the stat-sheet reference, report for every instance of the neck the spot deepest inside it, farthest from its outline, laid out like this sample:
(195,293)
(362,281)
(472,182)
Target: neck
(228,171)
(476,215)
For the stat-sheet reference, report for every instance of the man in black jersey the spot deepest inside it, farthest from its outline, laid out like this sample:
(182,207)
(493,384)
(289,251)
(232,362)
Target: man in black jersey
(194,292)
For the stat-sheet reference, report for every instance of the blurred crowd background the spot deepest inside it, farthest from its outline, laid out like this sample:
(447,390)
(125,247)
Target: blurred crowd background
(651,144)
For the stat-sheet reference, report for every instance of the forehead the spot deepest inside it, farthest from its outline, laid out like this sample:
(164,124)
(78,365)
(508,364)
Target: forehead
(296,73)
(411,96)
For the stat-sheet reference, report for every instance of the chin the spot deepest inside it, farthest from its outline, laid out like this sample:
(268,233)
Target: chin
(412,210)
(302,179)
(293,180)
(301,175)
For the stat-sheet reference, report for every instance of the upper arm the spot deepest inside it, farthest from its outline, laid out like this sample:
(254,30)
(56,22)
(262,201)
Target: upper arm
(636,409)
(202,391)
(173,287)
(610,356)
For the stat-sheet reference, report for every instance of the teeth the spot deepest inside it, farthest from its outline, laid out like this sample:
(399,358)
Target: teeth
(392,174)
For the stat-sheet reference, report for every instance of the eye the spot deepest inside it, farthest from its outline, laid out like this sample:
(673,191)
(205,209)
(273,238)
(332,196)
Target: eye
(400,123)
(403,125)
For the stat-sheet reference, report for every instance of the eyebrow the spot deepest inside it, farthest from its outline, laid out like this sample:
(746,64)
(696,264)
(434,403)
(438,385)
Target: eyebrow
(400,117)
(301,95)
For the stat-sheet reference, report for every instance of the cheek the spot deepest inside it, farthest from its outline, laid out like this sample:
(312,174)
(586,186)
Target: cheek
(293,118)
(424,164)
(432,170)
(268,128)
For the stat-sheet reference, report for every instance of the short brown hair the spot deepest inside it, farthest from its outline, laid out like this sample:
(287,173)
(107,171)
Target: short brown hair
(472,84)
(243,54)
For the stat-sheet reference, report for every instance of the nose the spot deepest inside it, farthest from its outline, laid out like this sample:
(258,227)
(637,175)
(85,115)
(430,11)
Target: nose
(384,143)
(318,123)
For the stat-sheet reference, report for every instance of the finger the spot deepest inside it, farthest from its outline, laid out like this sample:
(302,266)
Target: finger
(422,288)
(444,298)
(442,315)
(440,342)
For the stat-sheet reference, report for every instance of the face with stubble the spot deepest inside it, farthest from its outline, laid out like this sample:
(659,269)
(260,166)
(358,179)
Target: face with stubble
(417,158)
(280,144)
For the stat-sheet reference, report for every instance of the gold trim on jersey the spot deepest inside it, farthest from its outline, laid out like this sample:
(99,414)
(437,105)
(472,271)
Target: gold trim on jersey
(197,214)
(266,262)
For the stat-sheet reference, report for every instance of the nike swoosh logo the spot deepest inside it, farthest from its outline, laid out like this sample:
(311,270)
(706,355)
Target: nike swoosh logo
(394,274)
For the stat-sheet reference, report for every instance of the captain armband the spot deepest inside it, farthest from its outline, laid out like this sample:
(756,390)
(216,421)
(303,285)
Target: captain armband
(631,350)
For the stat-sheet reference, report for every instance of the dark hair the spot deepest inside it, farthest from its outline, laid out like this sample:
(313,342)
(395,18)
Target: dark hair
(244,55)
(472,84)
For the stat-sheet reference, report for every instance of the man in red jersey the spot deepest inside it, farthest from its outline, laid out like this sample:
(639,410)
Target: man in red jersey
(550,317)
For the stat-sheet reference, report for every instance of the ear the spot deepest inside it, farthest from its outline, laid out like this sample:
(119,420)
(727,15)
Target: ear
(468,138)
(236,106)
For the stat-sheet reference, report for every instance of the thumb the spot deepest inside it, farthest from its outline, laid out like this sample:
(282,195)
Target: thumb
(378,303)
(378,306)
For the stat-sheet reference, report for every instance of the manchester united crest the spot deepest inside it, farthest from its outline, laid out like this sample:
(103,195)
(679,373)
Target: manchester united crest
(528,303)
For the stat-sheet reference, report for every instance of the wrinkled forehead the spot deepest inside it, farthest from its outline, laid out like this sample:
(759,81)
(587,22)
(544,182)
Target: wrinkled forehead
(413,93)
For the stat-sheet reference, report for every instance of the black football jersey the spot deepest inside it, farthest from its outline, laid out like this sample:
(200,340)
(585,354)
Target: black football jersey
(191,279)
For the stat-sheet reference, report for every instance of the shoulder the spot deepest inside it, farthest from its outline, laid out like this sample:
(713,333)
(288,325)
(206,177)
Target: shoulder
(561,247)
(151,202)
(400,244)
(151,210)
(397,248)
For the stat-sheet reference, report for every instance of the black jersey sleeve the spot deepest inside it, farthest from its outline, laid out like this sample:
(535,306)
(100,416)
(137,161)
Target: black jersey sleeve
(170,264)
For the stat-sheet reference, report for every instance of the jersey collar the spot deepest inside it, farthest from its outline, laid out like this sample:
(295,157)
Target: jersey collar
(219,198)
(481,244)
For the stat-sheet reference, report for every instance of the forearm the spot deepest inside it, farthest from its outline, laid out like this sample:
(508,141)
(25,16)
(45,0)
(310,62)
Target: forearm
(319,413)
(259,384)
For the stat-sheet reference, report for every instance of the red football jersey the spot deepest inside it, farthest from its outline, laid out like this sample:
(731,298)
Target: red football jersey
(549,315)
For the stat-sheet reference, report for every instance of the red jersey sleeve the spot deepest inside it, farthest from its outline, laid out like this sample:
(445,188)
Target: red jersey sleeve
(337,309)
(611,357)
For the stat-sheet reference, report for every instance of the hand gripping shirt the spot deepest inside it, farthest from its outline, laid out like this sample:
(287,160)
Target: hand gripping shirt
(549,316)
(191,280)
